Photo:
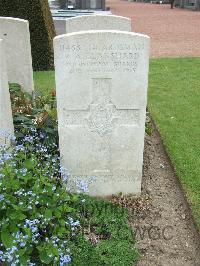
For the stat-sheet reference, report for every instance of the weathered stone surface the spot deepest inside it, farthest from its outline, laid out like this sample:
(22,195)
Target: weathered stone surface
(101,83)
(15,33)
(98,22)
(6,121)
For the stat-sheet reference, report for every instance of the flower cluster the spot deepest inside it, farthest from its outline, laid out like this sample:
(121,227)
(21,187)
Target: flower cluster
(38,217)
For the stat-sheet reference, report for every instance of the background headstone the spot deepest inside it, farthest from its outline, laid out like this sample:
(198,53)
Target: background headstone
(60,25)
(98,22)
(15,33)
(41,26)
(101,84)
(6,120)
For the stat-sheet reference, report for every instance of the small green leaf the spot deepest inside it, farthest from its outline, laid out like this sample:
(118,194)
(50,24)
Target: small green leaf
(15,207)
(24,260)
(17,215)
(62,222)
(22,252)
(57,213)
(21,216)
(29,164)
(6,238)
(40,248)
(48,214)
(45,258)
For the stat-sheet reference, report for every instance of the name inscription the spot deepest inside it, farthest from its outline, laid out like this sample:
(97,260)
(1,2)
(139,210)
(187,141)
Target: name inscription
(100,58)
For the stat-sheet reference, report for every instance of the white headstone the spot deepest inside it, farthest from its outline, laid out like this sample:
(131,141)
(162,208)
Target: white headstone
(101,83)
(98,22)
(60,25)
(6,121)
(15,33)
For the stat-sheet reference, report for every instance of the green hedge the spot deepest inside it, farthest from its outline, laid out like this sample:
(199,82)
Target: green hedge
(41,25)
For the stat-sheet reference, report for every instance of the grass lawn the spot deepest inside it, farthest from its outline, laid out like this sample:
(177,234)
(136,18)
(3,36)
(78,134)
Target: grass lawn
(174,102)
(44,82)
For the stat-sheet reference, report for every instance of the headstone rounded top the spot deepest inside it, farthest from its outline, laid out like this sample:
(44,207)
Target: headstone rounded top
(98,22)
(99,32)
(16,19)
(99,15)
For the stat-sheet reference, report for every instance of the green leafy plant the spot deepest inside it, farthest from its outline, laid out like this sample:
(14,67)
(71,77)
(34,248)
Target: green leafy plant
(36,208)
(34,112)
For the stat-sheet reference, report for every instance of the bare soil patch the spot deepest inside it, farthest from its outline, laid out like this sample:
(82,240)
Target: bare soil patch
(161,217)
(165,229)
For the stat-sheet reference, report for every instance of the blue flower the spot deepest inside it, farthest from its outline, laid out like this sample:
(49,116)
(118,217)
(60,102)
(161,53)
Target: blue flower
(2,197)
(28,139)
(19,147)
(7,134)
(23,171)
(5,157)
(65,259)
(82,186)
(1,175)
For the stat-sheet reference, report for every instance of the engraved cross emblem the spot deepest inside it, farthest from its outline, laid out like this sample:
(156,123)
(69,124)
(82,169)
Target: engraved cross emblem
(102,115)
